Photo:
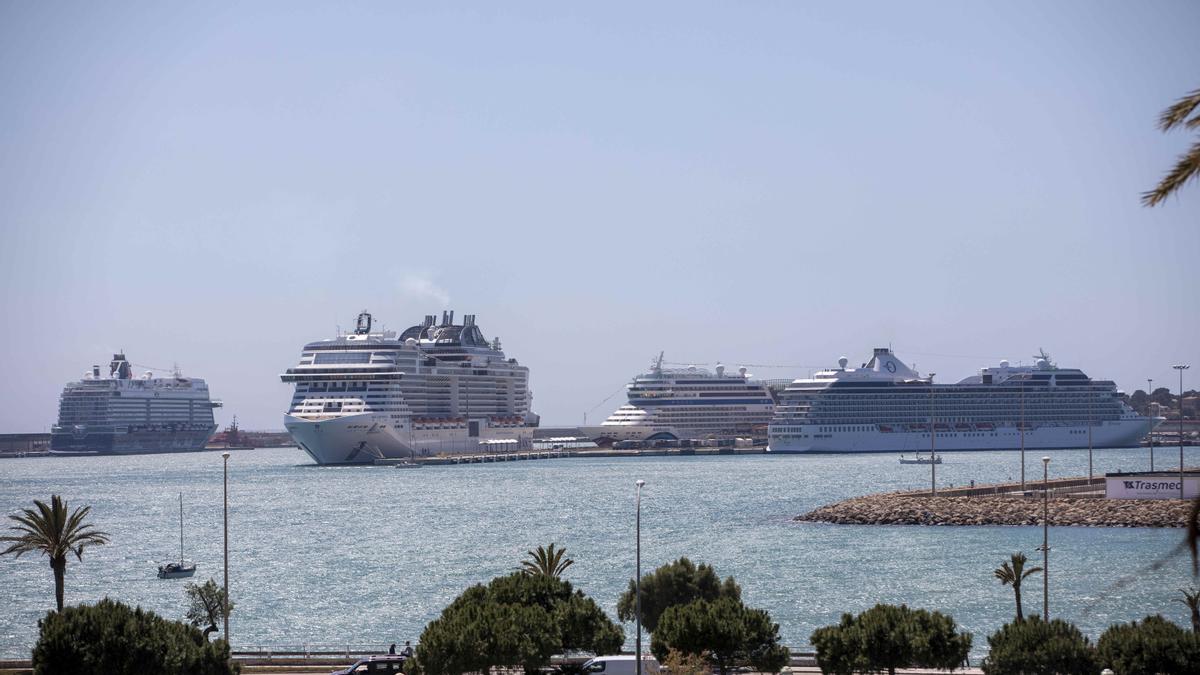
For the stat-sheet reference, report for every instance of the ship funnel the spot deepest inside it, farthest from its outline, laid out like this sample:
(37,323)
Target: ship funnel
(443,317)
(451,322)
(363,326)
(429,318)
(96,372)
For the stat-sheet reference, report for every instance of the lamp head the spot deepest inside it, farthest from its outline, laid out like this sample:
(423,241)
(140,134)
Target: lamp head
(225,455)
(640,483)
(1045,460)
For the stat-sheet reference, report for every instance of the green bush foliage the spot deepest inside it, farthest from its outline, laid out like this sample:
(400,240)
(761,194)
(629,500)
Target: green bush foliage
(1036,647)
(111,638)
(676,583)
(725,630)
(519,620)
(1153,645)
(887,637)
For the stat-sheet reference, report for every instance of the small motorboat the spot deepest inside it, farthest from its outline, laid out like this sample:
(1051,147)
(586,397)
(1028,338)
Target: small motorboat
(919,459)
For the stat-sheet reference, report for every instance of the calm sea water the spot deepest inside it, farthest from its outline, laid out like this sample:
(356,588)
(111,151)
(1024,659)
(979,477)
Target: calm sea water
(367,555)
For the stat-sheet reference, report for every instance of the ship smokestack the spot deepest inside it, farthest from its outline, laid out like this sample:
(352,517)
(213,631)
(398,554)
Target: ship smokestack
(96,372)
(451,317)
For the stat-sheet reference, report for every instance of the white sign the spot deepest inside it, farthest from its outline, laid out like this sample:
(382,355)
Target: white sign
(1150,487)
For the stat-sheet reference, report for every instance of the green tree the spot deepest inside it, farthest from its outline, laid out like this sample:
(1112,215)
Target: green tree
(48,529)
(1012,574)
(887,637)
(115,639)
(676,583)
(207,606)
(1036,647)
(1181,115)
(1191,599)
(518,620)
(546,561)
(725,630)
(1151,646)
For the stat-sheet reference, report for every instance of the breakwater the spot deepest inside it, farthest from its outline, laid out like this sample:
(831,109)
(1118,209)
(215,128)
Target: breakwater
(1072,502)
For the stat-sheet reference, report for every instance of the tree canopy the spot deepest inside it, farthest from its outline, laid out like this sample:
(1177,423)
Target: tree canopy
(547,561)
(1183,114)
(677,583)
(518,620)
(206,606)
(48,529)
(1037,647)
(725,630)
(113,638)
(1153,645)
(887,637)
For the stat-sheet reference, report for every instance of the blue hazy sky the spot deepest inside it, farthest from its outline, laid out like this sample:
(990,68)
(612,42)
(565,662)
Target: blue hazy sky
(763,183)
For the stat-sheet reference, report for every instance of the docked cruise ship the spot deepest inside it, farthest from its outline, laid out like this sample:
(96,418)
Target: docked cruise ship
(692,402)
(885,406)
(436,389)
(123,415)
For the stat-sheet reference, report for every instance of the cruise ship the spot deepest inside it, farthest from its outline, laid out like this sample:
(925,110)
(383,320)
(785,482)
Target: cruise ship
(690,403)
(125,415)
(435,389)
(885,406)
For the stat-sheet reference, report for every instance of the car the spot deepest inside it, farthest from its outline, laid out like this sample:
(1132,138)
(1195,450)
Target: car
(623,664)
(383,663)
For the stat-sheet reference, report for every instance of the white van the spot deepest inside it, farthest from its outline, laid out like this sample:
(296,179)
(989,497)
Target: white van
(622,664)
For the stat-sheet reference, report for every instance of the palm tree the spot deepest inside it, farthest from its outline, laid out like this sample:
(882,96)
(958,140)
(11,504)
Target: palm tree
(546,561)
(1188,166)
(1191,598)
(48,529)
(1013,574)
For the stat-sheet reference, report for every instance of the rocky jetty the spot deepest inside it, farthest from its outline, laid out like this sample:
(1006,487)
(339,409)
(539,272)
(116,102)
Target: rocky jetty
(922,509)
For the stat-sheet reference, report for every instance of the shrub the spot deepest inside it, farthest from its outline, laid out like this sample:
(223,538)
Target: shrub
(1154,645)
(682,663)
(725,630)
(1036,647)
(887,637)
(115,639)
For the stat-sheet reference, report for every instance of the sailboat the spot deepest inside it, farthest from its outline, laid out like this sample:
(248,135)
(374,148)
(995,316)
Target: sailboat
(177,570)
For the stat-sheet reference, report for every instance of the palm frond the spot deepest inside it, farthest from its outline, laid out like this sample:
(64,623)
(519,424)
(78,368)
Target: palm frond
(1186,168)
(1179,111)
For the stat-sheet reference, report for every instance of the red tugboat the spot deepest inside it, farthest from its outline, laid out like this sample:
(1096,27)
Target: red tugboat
(230,439)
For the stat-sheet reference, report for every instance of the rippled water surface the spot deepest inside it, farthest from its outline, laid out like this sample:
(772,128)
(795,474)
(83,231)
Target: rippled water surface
(368,555)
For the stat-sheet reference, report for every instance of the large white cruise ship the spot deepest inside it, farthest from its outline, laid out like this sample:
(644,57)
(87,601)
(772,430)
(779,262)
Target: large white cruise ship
(125,415)
(437,389)
(885,406)
(678,403)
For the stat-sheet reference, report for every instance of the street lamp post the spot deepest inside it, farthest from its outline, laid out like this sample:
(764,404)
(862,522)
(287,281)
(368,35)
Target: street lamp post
(1089,441)
(1045,538)
(1150,413)
(1181,367)
(1022,430)
(225,609)
(638,577)
(932,443)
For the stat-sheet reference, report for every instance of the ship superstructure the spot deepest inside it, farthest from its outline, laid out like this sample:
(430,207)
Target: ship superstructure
(435,389)
(885,406)
(691,402)
(122,414)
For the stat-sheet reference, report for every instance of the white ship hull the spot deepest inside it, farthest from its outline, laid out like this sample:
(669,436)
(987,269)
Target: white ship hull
(632,432)
(1124,433)
(365,437)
